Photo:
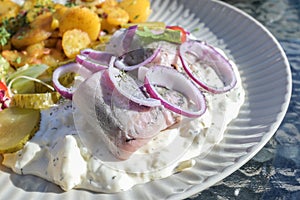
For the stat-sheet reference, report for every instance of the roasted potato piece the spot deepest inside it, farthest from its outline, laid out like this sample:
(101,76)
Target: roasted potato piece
(37,50)
(17,58)
(54,58)
(80,18)
(51,42)
(8,9)
(43,21)
(31,4)
(138,10)
(73,41)
(107,27)
(59,11)
(116,15)
(35,8)
(31,55)
(28,36)
(109,3)
(38,31)
(113,16)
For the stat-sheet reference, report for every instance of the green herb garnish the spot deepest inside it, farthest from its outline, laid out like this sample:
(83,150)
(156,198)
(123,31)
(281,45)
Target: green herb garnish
(10,26)
(4,36)
(168,35)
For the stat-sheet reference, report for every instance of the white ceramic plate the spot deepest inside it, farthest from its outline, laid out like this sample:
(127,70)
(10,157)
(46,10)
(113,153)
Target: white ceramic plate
(266,78)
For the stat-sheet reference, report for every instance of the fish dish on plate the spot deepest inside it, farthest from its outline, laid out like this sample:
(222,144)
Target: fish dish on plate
(136,109)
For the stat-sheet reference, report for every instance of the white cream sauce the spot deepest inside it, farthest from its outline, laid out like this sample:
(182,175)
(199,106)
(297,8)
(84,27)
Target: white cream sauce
(57,154)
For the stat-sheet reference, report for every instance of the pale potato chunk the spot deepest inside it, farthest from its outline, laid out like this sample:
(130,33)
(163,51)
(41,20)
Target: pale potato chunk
(73,41)
(116,15)
(138,10)
(80,18)
(38,31)
(8,9)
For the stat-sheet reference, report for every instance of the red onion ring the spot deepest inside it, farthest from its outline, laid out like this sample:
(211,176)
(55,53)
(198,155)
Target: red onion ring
(128,37)
(60,71)
(121,64)
(128,87)
(100,56)
(214,59)
(90,64)
(172,79)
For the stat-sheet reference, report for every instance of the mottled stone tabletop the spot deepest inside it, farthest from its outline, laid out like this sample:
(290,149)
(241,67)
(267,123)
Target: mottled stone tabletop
(274,173)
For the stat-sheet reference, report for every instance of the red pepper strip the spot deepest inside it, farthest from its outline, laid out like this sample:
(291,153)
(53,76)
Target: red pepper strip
(3,87)
(4,97)
(178,28)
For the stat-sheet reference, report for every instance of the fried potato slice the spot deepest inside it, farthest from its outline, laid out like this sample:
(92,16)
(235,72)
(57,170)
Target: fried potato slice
(80,18)
(8,9)
(73,41)
(138,10)
(116,15)
(38,31)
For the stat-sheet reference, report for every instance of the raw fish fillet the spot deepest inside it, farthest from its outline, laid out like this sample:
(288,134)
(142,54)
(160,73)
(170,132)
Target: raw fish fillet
(122,124)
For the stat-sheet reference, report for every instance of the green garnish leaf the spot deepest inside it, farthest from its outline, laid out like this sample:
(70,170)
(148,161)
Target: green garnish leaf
(150,25)
(25,85)
(12,25)
(70,3)
(4,67)
(148,35)
(4,36)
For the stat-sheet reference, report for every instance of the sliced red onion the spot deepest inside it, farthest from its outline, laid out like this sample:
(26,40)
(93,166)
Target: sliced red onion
(211,58)
(142,71)
(64,69)
(136,58)
(171,79)
(100,56)
(128,37)
(128,87)
(90,64)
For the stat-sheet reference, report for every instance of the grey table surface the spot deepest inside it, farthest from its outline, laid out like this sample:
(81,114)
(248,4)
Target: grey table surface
(274,173)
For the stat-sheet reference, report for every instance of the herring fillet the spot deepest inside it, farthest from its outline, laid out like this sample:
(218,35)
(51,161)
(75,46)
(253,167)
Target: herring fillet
(121,124)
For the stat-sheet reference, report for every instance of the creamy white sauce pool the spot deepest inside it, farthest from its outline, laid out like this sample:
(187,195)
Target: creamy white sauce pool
(57,154)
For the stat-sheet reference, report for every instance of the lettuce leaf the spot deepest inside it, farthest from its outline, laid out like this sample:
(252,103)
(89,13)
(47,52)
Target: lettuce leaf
(23,85)
(4,67)
(147,35)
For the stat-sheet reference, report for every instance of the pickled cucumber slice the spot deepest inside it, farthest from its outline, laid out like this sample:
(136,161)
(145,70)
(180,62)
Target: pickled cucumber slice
(35,101)
(17,126)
